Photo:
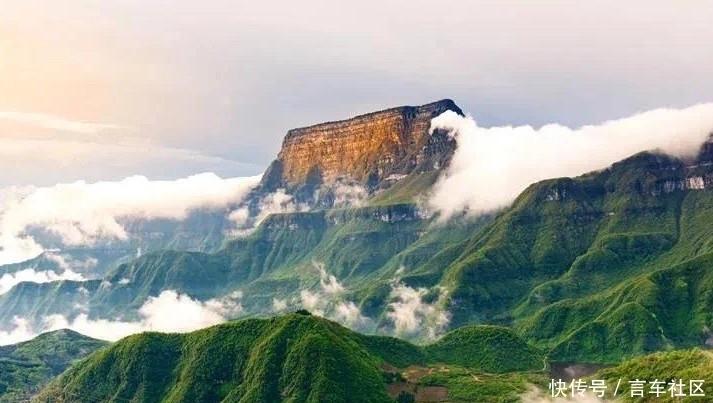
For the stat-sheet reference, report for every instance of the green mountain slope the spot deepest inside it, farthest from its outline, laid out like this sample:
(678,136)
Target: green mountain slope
(683,365)
(293,358)
(363,247)
(27,366)
(598,268)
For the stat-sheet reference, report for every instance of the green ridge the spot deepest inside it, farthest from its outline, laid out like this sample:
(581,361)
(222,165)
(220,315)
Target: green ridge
(293,358)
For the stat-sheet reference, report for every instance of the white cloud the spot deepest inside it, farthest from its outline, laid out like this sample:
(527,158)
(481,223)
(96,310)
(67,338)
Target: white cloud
(492,166)
(173,312)
(312,302)
(21,331)
(102,329)
(329,301)
(347,313)
(412,316)
(56,122)
(9,280)
(278,202)
(81,213)
(329,283)
(279,305)
(349,195)
(169,312)
(66,263)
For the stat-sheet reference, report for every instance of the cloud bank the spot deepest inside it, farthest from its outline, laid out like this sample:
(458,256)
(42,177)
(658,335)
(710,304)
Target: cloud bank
(491,166)
(80,213)
(168,312)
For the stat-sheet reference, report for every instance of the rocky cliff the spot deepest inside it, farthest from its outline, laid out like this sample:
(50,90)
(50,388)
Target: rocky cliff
(369,149)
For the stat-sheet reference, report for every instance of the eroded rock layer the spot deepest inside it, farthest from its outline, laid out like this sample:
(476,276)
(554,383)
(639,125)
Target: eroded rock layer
(367,148)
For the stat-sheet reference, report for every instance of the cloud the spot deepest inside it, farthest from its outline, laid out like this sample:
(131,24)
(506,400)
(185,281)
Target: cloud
(81,213)
(346,195)
(312,302)
(560,62)
(56,122)
(173,312)
(347,313)
(67,263)
(329,302)
(491,166)
(413,316)
(168,312)
(21,331)
(279,305)
(278,202)
(329,282)
(9,280)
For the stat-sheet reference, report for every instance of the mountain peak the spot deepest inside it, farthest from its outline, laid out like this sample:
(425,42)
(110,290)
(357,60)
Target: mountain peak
(365,149)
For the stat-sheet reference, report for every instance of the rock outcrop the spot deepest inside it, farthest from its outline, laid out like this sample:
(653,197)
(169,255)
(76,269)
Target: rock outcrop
(369,149)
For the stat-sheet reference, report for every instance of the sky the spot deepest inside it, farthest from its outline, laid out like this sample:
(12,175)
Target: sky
(99,90)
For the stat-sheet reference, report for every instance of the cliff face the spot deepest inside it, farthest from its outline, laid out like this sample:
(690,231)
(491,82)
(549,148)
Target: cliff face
(367,149)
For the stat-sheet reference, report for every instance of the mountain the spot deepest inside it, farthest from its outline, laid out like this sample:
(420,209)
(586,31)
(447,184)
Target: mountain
(202,230)
(400,157)
(685,365)
(292,358)
(599,268)
(575,265)
(26,367)
(372,150)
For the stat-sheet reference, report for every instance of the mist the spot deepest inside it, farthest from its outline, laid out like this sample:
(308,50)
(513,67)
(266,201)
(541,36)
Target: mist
(329,301)
(278,202)
(413,315)
(170,311)
(81,213)
(492,165)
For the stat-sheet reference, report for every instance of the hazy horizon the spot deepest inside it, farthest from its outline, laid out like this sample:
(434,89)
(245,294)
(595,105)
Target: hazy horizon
(107,90)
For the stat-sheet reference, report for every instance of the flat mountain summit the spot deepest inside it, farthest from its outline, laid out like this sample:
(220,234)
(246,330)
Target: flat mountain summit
(369,149)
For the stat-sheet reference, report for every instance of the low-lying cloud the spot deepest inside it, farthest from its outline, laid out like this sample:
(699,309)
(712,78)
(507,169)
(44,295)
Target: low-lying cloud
(278,202)
(413,316)
(349,195)
(412,313)
(491,166)
(21,331)
(329,301)
(168,312)
(80,213)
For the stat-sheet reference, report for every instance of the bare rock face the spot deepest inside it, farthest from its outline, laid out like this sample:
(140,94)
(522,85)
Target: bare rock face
(366,149)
